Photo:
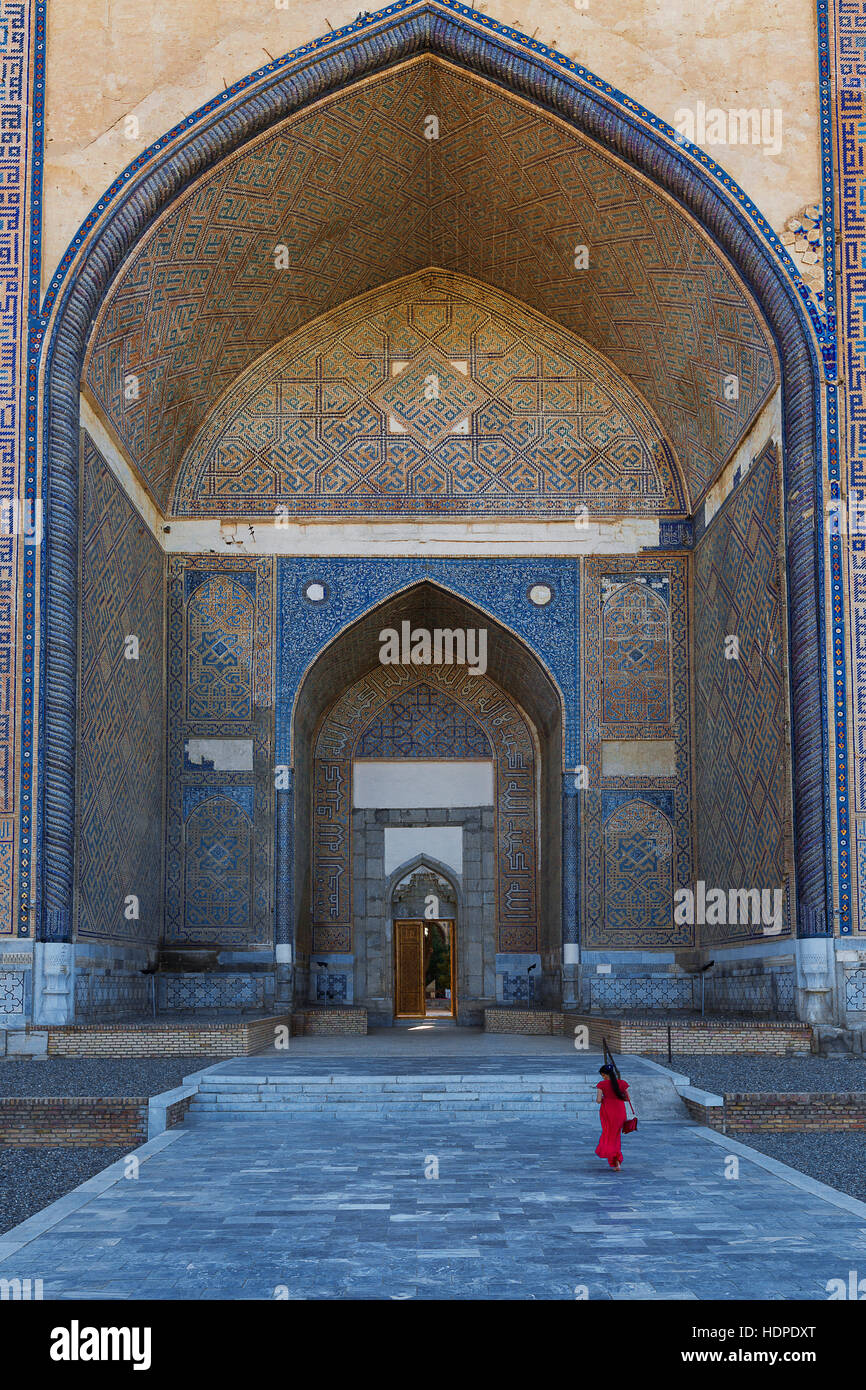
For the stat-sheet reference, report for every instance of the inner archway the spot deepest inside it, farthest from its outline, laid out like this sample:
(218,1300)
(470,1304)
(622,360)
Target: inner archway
(436,759)
(424,920)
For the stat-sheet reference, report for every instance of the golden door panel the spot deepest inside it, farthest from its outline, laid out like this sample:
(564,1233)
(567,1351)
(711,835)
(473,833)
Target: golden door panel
(409,969)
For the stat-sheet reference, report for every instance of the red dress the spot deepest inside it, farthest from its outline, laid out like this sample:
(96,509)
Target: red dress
(612,1114)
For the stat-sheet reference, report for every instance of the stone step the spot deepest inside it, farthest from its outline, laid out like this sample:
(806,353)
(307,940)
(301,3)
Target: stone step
(425,1098)
(464,1104)
(485,1117)
(436,1098)
(567,1083)
(400,1095)
(337,1095)
(392,1087)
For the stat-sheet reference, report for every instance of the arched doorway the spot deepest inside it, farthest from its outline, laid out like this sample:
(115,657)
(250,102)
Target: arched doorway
(424,921)
(428,762)
(643,153)
(541,81)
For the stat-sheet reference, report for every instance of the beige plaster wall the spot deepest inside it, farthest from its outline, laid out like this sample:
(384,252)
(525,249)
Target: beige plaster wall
(109,59)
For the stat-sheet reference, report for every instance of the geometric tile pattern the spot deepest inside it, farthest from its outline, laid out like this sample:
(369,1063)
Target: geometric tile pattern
(430,396)
(220,624)
(638,858)
(435,393)
(480,703)
(850,114)
(359,197)
(497,586)
(769,993)
(331,986)
(101,996)
(12,991)
(636,831)
(636,667)
(517,989)
(855,991)
(195,991)
(120,713)
(741,775)
(22,23)
(217,867)
(423,723)
(641,992)
(219,825)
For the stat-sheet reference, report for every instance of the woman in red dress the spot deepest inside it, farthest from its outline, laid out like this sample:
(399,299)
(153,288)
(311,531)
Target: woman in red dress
(611,1094)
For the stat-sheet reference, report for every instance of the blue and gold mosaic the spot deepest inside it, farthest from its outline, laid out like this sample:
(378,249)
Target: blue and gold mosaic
(437,394)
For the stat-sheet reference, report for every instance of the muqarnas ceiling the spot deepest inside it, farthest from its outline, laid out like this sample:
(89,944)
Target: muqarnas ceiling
(360,198)
(434,395)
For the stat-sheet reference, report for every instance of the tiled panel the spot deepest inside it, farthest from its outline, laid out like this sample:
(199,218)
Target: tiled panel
(220,621)
(850,119)
(218,861)
(13,995)
(741,793)
(121,715)
(368,702)
(186,993)
(423,723)
(438,394)
(22,42)
(219,834)
(636,647)
(636,830)
(202,297)
(638,863)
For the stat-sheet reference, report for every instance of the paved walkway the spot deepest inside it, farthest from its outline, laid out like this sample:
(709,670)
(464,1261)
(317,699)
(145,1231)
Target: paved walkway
(520,1209)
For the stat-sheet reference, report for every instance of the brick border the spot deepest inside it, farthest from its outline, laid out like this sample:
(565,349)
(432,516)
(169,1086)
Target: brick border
(206,1039)
(330,1022)
(769,1112)
(529,1021)
(775,1037)
(119,1121)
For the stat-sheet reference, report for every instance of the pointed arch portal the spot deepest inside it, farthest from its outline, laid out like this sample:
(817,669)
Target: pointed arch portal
(395,760)
(634,142)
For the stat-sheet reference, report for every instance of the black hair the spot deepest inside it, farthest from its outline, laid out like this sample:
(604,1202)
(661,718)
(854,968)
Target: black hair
(613,1078)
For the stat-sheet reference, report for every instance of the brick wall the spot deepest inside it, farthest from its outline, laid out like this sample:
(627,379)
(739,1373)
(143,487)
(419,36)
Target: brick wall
(85,1120)
(774,1037)
(713,1116)
(238,1039)
(746,1112)
(521,1021)
(326,1022)
(176,1114)
(833,1110)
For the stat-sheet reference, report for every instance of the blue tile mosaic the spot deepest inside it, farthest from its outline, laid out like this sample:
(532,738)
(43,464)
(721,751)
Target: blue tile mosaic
(496,586)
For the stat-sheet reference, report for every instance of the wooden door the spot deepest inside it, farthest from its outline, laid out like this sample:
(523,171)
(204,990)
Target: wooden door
(409,969)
